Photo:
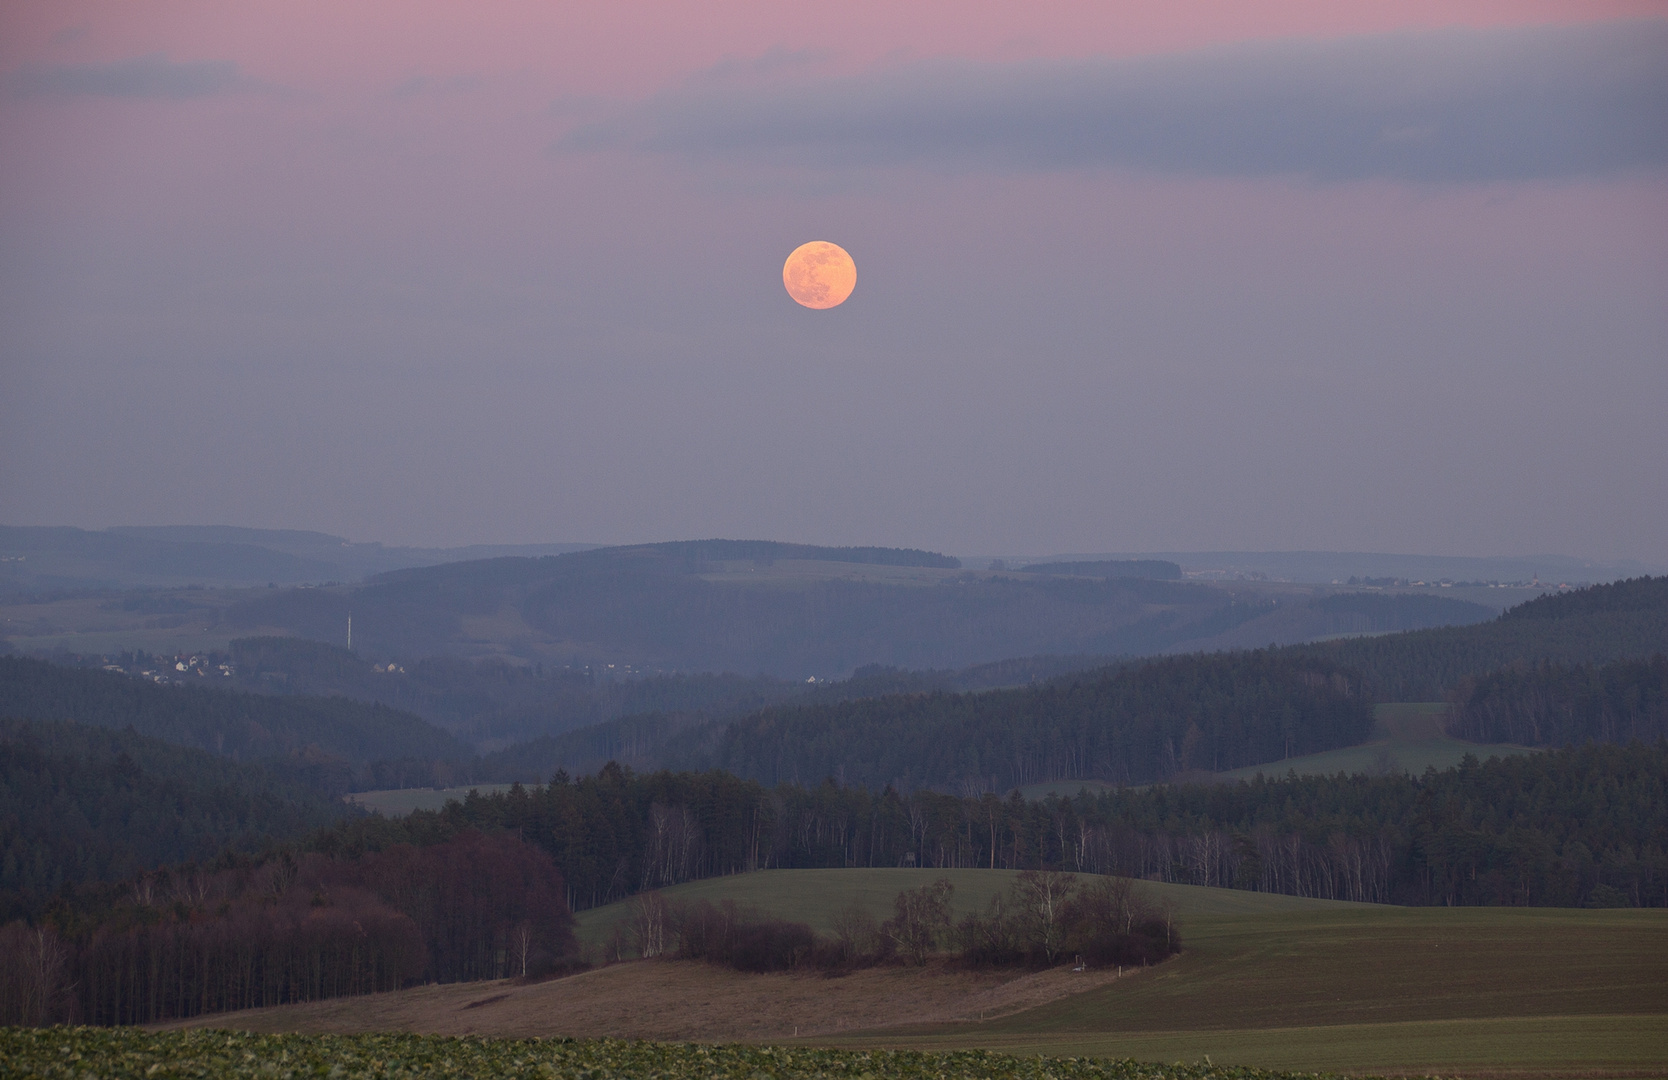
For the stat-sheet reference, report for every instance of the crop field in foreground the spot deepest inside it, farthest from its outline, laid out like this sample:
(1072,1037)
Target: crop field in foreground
(122,1053)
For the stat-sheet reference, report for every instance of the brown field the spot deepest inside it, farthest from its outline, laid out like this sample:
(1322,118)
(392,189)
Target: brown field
(683,1000)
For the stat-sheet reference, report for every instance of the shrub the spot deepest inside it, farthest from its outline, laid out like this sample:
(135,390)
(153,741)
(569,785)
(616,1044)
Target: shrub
(920,920)
(1045,916)
(741,937)
(857,940)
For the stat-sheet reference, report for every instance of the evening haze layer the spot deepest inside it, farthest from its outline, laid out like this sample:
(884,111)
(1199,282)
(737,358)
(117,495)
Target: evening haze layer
(442,275)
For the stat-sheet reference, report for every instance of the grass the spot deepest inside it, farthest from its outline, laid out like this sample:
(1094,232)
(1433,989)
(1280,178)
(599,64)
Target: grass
(1270,981)
(1407,737)
(1283,982)
(1379,757)
(397,802)
(813,896)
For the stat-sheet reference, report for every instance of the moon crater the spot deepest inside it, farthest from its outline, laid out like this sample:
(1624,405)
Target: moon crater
(819,275)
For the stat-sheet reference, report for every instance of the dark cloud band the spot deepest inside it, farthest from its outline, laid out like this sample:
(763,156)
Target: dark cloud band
(139,77)
(1461,106)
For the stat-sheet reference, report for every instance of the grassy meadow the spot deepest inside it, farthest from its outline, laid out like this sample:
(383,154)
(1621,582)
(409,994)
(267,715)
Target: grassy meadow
(1264,981)
(813,896)
(1283,982)
(397,802)
(1407,737)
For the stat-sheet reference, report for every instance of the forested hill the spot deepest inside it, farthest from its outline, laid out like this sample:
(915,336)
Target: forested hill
(84,804)
(1633,594)
(1148,720)
(1597,625)
(1584,826)
(793,612)
(1555,705)
(1130,725)
(777,609)
(229,723)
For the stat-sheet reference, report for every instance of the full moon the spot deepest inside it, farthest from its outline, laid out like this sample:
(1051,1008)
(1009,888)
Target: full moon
(819,274)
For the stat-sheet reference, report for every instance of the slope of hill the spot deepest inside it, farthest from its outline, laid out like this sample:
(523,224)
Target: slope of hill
(1110,568)
(1133,725)
(795,611)
(82,804)
(644,739)
(1584,826)
(1100,729)
(54,558)
(1398,991)
(491,703)
(746,607)
(1263,980)
(1555,705)
(1598,625)
(243,726)
(1320,567)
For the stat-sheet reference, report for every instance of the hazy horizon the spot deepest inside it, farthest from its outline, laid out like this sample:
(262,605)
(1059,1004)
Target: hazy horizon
(1301,565)
(1214,277)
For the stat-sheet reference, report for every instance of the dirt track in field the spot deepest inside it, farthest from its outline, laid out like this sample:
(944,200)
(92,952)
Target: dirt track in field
(680,1000)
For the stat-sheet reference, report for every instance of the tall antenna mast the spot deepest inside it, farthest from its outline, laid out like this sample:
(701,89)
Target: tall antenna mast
(350,631)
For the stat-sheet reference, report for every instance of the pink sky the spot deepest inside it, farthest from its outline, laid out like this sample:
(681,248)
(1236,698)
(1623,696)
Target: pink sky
(361,284)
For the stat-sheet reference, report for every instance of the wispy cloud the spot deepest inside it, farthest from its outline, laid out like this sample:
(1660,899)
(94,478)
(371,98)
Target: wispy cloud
(1463,105)
(153,76)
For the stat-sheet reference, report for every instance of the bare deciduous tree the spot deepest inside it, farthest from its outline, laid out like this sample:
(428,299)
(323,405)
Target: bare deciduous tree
(1041,896)
(921,918)
(648,924)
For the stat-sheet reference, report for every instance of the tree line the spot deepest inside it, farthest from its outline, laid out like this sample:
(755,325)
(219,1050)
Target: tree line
(1583,825)
(1554,704)
(243,933)
(85,804)
(338,735)
(1127,725)
(1600,624)
(1125,722)
(484,887)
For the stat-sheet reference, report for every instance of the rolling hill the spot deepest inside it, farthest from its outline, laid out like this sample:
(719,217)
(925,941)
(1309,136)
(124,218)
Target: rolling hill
(1064,731)
(85,804)
(46,559)
(1263,980)
(1623,620)
(795,611)
(334,738)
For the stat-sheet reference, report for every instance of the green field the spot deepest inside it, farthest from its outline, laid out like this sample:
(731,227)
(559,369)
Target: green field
(397,802)
(1282,982)
(813,896)
(1407,737)
(1381,756)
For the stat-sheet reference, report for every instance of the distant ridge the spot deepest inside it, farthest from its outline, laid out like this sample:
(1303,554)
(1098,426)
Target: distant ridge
(1158,569)
(766,551)
(40,559)
(1325,567)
